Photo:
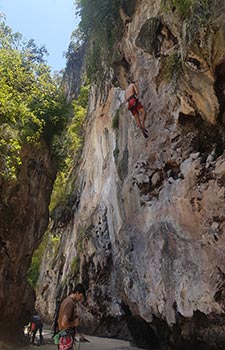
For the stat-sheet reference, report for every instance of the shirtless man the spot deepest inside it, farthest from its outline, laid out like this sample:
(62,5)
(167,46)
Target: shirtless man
(68,319)
(135,107)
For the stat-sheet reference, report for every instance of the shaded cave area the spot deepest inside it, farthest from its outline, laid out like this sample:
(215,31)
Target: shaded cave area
(155,37)
(200,332)
(220,89)
(142,334)
(202,137)
(111,327)
(207,138)
(127,327)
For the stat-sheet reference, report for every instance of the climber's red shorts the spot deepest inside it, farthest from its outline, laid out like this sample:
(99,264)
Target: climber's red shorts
(134,105)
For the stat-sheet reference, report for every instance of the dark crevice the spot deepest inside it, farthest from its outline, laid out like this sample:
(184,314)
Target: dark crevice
(185,333)
(3,248)
(130,7)
(220,89)
(155,37)
(195,63)
(186,120)
(141,331)
(205,138)
(125,64)
(121,61)
(172,168)
(120,66)
(220,293)
(147,37)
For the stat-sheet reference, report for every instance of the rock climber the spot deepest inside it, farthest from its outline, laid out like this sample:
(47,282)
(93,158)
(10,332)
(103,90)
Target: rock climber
(36,325)
(68,319)
(135,106)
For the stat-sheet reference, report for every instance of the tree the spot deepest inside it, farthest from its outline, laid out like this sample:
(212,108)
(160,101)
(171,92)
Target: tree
(101,26)
(32,102)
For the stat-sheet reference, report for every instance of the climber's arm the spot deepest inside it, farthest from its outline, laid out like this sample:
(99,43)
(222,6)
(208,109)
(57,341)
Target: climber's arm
(136,91)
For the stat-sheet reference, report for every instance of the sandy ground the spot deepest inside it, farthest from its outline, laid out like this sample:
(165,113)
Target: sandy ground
(95,343)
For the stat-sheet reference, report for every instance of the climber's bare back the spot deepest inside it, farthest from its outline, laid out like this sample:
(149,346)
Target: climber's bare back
(131,90)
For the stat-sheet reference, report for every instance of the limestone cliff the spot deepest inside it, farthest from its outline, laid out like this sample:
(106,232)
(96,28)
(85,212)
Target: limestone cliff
(23,220)
(145,231)
(73,75)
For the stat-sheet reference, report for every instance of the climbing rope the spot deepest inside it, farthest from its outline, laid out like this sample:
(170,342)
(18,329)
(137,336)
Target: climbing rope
(77,344)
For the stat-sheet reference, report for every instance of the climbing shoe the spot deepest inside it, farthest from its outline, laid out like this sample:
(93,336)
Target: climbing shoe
(145,133)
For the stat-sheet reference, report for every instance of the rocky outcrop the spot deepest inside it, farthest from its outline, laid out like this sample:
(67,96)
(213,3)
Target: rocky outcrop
(23,220)
(73,76)
(146,234)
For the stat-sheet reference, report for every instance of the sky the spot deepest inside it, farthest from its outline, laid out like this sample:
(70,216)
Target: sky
(48,22)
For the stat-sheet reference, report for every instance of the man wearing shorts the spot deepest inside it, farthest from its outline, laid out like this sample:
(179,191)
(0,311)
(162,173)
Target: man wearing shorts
(135,106)
(68,319)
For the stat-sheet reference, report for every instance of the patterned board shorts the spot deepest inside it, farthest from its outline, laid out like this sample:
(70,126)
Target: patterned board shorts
(65,343)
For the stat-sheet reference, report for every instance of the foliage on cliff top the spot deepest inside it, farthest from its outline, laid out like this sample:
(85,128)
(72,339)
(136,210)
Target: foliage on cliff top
(101,26)
(187,7)
(32,103)
(33,272)
(70,143)
(49,245)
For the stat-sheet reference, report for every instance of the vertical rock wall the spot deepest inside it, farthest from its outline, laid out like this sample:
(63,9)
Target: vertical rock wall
(147,232)
(23,220)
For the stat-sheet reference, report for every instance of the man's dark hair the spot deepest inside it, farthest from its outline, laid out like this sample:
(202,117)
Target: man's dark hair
(80,289)
(130,80)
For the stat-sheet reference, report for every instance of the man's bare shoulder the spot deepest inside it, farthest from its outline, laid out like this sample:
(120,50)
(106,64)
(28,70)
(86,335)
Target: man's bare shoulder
(130,90)
(131,86)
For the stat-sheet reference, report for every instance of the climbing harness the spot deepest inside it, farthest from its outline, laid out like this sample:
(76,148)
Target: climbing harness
(132,102)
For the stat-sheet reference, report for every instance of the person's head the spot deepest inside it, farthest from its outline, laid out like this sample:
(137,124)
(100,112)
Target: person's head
(79,292)
(130,81)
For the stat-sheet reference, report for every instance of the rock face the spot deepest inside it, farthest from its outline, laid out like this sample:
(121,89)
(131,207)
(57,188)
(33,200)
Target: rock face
(23,220)
(146,230)
(73,75)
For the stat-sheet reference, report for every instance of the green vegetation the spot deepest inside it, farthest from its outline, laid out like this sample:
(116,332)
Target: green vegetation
(187,8)
(54,243)
(101,26)
(98,17)
(49,244)
(195,14)
(199,18)
(67,147)
(33,272)
(171,68)
(32,104)
(182,5)
(63,283)
(80,245)
(75,265)
(33,107)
